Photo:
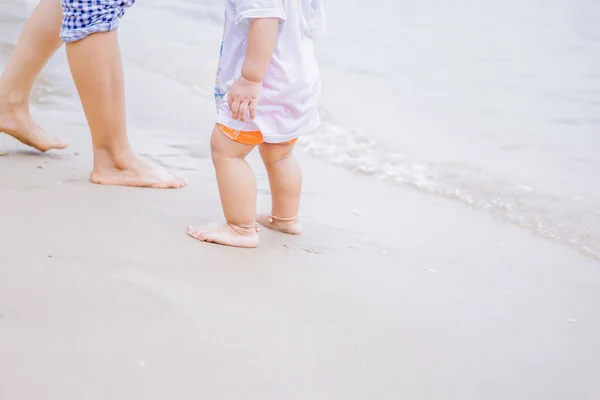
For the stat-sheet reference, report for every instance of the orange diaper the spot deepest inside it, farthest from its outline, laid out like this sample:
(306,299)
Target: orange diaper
(253,138)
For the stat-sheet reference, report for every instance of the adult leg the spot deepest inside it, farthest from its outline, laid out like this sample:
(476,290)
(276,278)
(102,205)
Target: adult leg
(285,179)
(38,42)
(97,70)
(237,188)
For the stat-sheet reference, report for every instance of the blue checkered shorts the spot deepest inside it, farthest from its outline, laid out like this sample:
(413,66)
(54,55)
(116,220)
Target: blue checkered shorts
(84,17)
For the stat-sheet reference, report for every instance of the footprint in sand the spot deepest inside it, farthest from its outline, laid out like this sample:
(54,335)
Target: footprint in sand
(305,249)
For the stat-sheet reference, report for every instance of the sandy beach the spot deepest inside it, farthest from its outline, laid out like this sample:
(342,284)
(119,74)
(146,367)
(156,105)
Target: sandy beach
(391,293)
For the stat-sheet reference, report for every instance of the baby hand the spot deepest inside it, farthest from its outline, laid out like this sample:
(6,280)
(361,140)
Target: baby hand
(243,97)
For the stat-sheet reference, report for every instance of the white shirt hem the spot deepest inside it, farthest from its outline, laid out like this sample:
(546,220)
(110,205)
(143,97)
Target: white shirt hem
(268,138)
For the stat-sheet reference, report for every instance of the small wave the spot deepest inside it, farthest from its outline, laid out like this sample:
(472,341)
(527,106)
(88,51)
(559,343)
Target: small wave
(567,220)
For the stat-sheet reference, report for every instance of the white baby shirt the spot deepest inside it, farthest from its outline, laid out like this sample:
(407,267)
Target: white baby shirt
(292,84)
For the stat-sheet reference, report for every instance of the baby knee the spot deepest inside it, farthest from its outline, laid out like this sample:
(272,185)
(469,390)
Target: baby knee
(217,151)
(272,153)
(223,148)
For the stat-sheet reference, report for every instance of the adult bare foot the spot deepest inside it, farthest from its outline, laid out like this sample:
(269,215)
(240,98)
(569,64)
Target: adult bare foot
(291,226)
(137,172)
(18,123)
(227,235)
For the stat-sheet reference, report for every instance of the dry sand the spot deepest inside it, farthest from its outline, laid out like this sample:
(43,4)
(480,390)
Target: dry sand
(390,294)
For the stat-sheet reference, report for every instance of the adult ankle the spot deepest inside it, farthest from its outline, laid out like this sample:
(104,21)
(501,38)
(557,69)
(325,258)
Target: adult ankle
(121,159)
(13,98)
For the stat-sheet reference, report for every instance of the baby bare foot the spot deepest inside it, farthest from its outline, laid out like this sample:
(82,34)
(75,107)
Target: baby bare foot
(18,123)
(227,235)
(136,173)
(291,226)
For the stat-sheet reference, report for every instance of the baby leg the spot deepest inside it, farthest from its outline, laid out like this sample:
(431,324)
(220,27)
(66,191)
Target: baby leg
(285,179)
(237,188)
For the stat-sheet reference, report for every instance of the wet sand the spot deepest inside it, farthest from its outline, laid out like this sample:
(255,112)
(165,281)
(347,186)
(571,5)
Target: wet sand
(390,294)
